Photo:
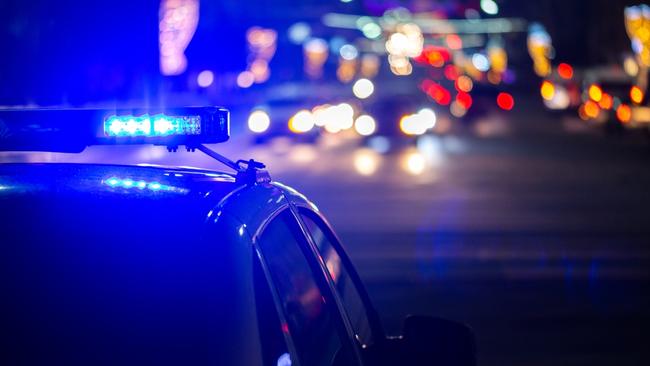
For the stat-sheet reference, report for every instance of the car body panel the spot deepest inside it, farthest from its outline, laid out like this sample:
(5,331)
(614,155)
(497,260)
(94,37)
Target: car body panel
(204,208)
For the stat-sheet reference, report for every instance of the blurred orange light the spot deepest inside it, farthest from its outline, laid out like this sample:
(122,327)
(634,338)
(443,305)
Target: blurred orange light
(464,84)
(454,41)
(606,102)
(547,90)
(581,113)
(591,109)
(505,101)
(636,94)
(595,93)
(435,59)
(624,113)
(494,77)
(565,71)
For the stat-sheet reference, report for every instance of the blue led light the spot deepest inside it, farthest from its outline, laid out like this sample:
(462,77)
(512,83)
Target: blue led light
(154,126)
(128,183)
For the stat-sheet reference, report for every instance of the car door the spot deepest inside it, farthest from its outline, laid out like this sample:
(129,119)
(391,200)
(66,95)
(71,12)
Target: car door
(304,295)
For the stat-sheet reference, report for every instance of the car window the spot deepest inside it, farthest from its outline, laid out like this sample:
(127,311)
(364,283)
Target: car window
(274,345)
(349,293)
(311,320)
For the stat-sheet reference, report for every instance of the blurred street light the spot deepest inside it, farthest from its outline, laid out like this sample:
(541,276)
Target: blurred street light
(259,121)
(363,88)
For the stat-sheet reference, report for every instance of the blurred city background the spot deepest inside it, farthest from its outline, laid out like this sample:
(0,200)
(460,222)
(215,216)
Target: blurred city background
(482,160)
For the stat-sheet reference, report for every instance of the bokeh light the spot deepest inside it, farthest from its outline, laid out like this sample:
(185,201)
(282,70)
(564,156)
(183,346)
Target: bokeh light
(363,88)
(366,161)
(591,109)
(259,121)
(464,84)
(245,79)
(547,90)
(414,163)
(177,23)
(505,101)
(365,125)
(301,122)
(489,7)
(606,102)
(205,78)
(565,71)
(624,113)
(595,93)
(636,94)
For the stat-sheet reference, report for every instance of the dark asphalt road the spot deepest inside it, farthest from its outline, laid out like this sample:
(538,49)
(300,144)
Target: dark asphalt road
(538,237)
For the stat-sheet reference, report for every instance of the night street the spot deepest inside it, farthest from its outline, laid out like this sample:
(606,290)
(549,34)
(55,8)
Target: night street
(280,182)
(536,236)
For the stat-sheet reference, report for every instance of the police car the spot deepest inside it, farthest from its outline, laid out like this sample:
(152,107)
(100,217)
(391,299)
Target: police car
(136,265)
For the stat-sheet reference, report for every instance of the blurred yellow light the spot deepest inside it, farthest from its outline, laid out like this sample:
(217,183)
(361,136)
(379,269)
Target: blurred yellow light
(595,93)
(302,122)
(542,68)
(366,161)
(365,125)
(636,94)
(414,163)
(547,90)
(259,121)
(631,66)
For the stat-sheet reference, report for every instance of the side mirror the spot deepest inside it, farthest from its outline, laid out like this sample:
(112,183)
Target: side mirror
(426,341)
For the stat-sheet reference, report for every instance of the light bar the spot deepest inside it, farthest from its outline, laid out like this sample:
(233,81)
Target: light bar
(157,125)
(72,130)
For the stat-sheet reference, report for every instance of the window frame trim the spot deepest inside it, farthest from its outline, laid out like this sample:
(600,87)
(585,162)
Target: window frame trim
(315,263)
(373,316)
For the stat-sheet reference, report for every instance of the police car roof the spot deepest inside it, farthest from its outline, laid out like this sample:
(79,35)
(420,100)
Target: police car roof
(140,181)
(125,252)
(100,188)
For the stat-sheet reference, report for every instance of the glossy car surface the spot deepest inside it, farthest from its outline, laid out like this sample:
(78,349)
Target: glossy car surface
(107,264)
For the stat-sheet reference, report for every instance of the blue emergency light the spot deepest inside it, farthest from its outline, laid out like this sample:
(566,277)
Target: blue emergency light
(71,130)
(158,125)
